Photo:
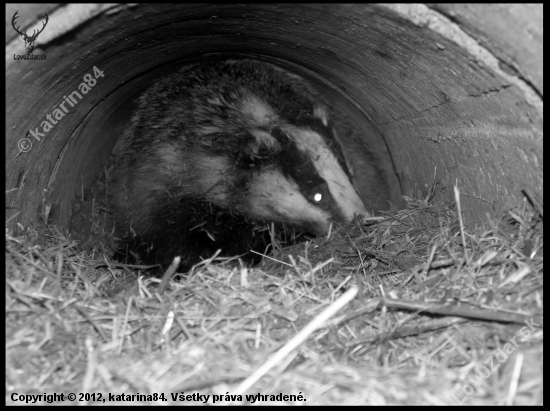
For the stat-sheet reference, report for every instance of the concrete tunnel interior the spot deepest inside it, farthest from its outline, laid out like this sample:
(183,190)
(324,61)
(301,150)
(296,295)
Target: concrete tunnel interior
(446,93)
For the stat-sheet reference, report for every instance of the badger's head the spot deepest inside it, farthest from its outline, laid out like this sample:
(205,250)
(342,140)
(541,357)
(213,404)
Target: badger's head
(250,138)
(284,172)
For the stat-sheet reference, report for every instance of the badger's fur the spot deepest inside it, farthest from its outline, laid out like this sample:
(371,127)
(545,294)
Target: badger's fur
(216,147)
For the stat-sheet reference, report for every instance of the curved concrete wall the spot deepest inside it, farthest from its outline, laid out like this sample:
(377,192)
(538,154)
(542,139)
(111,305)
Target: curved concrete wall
(447,92)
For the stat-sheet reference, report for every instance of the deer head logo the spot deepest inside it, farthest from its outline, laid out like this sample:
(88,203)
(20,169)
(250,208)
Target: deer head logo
(29,40)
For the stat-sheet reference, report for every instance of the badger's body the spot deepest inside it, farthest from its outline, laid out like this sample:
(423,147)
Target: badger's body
(217,147)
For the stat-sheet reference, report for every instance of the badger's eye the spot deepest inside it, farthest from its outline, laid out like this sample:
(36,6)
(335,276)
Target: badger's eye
(317,197)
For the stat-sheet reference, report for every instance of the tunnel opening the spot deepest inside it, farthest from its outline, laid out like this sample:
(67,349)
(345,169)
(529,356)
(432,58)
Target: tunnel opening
(435,108)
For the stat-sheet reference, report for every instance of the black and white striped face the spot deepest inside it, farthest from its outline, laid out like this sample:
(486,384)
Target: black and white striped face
(306,185)
(290,173)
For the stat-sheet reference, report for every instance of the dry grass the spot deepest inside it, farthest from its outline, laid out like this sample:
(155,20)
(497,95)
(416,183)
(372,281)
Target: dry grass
(437,310)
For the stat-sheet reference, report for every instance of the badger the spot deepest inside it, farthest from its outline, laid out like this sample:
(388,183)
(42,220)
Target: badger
(218,147)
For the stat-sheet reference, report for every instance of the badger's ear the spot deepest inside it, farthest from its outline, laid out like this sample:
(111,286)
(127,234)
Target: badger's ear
(261,144)
(321,112)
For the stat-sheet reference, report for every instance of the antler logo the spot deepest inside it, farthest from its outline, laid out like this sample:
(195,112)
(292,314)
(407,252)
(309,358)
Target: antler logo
(29,40)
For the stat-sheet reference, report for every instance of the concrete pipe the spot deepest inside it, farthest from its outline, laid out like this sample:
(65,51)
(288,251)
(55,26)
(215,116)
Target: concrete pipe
(447,93)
